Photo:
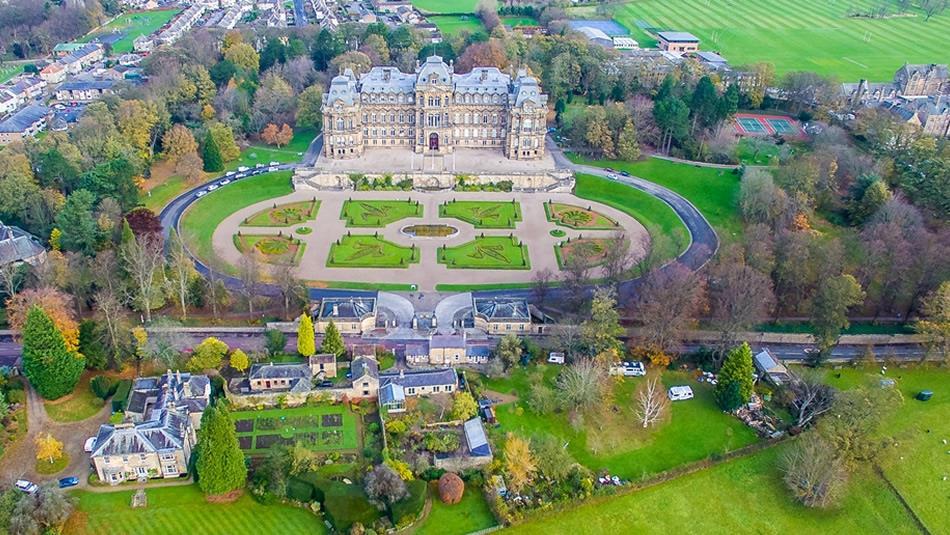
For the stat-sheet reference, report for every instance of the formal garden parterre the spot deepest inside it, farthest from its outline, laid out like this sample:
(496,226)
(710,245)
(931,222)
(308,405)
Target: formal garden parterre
(371,251)
(378,213)
(321,428)
(274,249)
(284,215)
(483,214)
(487,252)
(577,217)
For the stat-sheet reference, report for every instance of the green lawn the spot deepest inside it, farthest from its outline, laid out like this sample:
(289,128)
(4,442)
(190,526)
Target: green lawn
(368,251)
(577,217)
(79,405)
(9,71)
(667,231)
(156,198)
(274,249)
(133,25)
(715,192)
(469,515)
(746,154)
(809,35)
(517,20)
(919,461)
(696,431)
(284,215)
(320,428)
(593,250)
(483,214)
(745,495)
(204,215)
(265,154)
(49,468)
(451,25)
(486,252)
(446,6)
(378,214)
(184,510)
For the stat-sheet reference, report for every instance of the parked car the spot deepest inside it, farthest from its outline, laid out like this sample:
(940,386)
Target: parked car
(272,168)
(325,384)
(89,445)
(225,182)
(679,393)
(624,173)
(243,168)
(212,187)
(259,165)
(71,481)
(275,163)
(201,193)
(609,169)
(26,486)
(634,369)
(229,173)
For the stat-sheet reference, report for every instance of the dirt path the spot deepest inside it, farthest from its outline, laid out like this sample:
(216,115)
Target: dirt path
(19,460)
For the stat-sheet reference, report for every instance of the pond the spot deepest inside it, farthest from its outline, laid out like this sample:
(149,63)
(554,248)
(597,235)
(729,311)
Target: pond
(429,231)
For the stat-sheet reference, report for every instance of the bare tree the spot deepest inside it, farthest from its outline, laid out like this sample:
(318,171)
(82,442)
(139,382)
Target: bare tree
(541,285)
(11,278)
(292,289)
(567,337)
(617,258)
(668,302)
(652,402)
(582,384)
(215,291)
(109,308)
(181,270)
(249,271)
(576,277)
(812,398)
(814,472)
(739,298)
(143,258)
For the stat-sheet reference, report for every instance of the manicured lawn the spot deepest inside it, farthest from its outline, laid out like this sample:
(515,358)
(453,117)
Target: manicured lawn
(806,35)
(577,217)
(378,214)
(513,21)
(320,428)
(486,252)
(284,215)
(745,495)
(451,25)
(156,198)
(746,153)
(469,515)
(47,468)
(273,249)
(667,231)
(446,6)
(715,192)
(370,252)
(78,405)
(9,71)
(184,510)
(613,441)
(594,250)
(203,216)
(918,462)
(477,287)
(265,154)
(483,214)
(133,25)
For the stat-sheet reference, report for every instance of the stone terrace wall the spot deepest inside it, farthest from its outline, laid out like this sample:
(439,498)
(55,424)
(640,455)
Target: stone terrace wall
(551,181)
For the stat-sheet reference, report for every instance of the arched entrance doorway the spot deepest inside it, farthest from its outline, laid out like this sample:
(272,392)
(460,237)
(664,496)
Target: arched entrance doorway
(433,141)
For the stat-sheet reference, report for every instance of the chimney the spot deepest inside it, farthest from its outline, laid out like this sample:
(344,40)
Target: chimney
(168,375)
(178,376)
(402,373)
(336,309)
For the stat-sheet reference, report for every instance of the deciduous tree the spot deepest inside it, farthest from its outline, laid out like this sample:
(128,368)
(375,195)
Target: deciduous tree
(652,403)
(385,486)
(207,355)
(44,511)
(668,303)
(239,360)
(509,350)
(519,462)
(813,472)
(48,448)
(600,333)
(934,321)
(464,406)
(142,259)
(829,315)
(309,104)
(582,385)
(54,303)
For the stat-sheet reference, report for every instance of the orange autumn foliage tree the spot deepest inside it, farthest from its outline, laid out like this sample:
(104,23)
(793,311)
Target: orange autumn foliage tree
(57,306)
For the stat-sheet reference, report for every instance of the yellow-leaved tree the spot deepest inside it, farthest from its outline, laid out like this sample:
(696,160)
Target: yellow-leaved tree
(48,448)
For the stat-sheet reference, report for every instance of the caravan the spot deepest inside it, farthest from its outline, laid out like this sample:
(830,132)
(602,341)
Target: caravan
(679,393)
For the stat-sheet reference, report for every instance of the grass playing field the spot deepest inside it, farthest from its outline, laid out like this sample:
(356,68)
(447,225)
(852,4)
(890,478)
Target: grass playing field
(452,24)
(378,213)
(812,35)
(483,214)
(368,251)
(446,6)
(133,25)
(486,252)
(9,71)
(184,510)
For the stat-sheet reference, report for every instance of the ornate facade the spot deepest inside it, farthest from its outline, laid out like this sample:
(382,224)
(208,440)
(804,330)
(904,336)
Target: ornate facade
(433,111)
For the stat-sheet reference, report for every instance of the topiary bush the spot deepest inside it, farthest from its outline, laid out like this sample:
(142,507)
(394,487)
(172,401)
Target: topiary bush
(451,488)
(121,395)
(102,386)
(300,491)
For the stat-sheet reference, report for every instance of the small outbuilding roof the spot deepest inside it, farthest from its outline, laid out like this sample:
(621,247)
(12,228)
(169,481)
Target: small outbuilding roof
(476,439)
(678,37)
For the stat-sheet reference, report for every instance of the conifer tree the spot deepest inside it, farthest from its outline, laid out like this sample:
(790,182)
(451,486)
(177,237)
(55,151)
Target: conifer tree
(332,341)
(220,464)
(735,378)
(306,344)
(213,162)
(51,368)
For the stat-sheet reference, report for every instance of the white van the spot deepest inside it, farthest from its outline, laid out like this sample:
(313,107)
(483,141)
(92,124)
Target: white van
(679,393)
(556,357)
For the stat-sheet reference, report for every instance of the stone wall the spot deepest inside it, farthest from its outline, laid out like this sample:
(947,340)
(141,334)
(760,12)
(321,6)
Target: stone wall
(458,463)
(262,400)
(550,181)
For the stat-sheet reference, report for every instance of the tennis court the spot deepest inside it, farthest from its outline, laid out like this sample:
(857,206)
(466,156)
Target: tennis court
(750,124)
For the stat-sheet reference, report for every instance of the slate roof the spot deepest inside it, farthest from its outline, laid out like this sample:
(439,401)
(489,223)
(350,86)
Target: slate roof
(476,351)
(939,70)
(24,119)
(282,370)
(501,308)
(475,438)
(165,432)
(17,245)
(178,389)
(443,341)
(85,85)
(347,307)
(364,366)
(525,89)
(678,37)
(420,378)
(342,89)
(417,349)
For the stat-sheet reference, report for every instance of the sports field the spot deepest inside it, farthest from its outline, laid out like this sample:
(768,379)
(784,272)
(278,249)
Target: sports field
(9,71)
(794,35)
(445,6)
(452,24)
(132,25)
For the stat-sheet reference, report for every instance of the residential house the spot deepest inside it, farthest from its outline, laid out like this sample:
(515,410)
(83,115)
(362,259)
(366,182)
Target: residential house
(678,42)
(84,90)
(27,88)
(422,382)
(53,73)
(291,376)
(446,349)
(501,315)
(18,246)
(143,44)
(392,397)
(25,123)
(364,372)
(922,80)
(79,59)
(351,315)
(8,102)
(164,413)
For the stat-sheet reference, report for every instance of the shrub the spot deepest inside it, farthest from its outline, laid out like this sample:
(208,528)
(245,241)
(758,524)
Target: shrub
(451,488)
(298,490)
(102,386)
(121,395)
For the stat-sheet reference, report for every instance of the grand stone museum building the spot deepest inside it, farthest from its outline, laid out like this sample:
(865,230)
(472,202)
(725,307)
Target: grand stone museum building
(433,111)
